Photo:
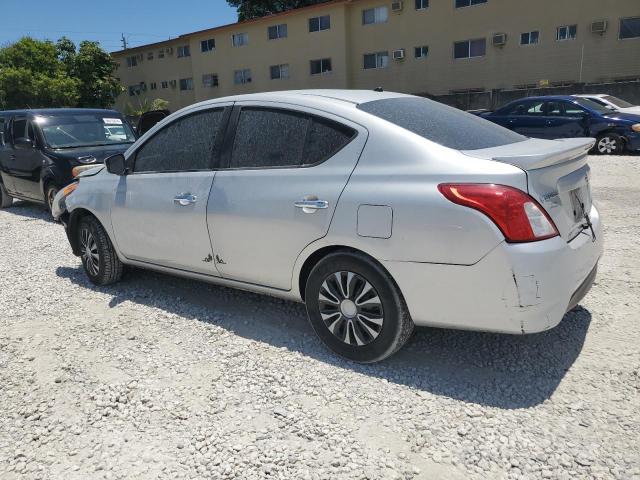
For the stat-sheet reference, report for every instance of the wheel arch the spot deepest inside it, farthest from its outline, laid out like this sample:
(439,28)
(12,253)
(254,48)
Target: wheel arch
(72,229)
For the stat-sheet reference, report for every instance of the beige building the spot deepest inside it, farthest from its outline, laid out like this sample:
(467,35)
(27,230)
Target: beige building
(416,46)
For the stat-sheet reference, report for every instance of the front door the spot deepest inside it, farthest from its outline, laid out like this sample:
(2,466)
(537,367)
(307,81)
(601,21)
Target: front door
(285,171)
(159,210)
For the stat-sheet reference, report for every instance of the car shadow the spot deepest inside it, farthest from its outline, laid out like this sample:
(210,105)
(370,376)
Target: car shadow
(30,211)
(503,371)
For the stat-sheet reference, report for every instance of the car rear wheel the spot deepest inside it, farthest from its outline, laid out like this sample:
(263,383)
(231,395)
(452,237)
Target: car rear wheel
(609,144)
(6,200)
(50,193)
(355,307)
(99,259)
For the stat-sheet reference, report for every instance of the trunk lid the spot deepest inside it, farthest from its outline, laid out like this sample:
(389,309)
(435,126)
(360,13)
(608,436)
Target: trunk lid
(558,177)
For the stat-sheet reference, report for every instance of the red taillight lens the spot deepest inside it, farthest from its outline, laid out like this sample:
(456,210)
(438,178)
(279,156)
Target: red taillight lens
(516,214)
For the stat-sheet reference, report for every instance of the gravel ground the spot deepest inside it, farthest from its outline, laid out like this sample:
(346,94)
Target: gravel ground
(160,377)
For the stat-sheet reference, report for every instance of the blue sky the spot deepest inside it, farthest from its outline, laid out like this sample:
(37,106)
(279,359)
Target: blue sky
(142,21)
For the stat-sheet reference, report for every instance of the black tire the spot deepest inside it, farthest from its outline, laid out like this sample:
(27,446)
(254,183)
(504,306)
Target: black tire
(103,267)
(355,338)
(609,144)
(6,200)
(50,192)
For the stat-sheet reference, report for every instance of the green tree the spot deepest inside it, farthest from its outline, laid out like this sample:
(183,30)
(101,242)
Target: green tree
(248,9)
(145,105)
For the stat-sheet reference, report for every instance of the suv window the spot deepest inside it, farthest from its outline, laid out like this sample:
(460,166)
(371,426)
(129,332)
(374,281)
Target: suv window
(19,128)
(282,138)
(2,126)
(184,145)
(440,123)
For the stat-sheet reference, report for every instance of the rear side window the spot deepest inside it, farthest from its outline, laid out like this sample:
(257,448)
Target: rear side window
(441,124)
(19,128)
(281,138)
(184,145)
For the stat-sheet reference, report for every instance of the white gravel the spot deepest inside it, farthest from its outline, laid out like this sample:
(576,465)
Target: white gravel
(160,377)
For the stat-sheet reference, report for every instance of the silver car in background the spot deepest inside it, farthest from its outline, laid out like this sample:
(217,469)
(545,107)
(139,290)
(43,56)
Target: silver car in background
(379,210)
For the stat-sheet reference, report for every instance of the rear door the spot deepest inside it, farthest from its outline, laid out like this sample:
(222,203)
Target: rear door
(6,153)
(159,210)
(276,193)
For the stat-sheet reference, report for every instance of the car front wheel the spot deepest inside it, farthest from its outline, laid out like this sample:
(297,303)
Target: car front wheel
(99,259)
(609,144)
(49,194)
(355,307)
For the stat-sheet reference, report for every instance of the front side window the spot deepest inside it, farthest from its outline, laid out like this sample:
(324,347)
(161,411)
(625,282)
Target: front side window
(240,39)
(318,24)
(468,3)
(422,4)
(184,145)
(322,65)
(277,31)
(629,28)
(375,15)
(84,130)
(278,72)
(241,77)
(208,45)
(209,80)
(567,32)
(186,84)
(529,38)
(376,60)
(282,138)
(19,128)
(470,48)
(184,51)
(421,52)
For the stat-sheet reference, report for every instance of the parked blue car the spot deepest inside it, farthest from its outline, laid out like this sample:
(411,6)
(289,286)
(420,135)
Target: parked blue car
(554,117)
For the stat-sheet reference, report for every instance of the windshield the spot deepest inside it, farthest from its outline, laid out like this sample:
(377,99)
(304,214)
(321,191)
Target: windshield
(441,124)
(593,106)
(84,130)
(618,102)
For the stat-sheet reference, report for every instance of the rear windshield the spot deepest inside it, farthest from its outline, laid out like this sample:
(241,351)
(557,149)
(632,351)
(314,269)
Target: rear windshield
(441,124)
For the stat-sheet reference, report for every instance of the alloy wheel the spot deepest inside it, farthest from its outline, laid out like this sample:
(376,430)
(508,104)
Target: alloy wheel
(607,145)
(351,308)
(51,194)
(89,250)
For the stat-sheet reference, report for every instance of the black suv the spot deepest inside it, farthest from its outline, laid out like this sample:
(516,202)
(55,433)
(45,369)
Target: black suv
(40,148)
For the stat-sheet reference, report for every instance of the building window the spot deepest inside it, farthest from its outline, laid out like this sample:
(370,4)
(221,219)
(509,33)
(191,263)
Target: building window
(376,60)
(375,15)
(241,77)
(184,51)
(529,38)
(277,31)
(470,48)
(421,52)
(567,32)
(279,72)
(132,61)
(135,90)
(320,66)
(629,28)
(153,86)
(422,4)
(161,53)
(240,39)
(150,56)
(208,45)
(186,84)
(209,80)
(317,24)
(468,3)
(164,84)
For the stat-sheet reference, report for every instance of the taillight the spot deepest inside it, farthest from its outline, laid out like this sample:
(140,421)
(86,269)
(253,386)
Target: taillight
(518,216)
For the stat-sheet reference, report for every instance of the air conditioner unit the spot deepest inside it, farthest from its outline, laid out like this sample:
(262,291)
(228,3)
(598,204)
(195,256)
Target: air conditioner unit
(499,39)
(173,83)
(599,27)
(396,6)
(398,54)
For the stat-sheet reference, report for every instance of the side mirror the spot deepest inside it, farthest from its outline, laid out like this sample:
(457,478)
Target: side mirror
(23,142)
(116,164)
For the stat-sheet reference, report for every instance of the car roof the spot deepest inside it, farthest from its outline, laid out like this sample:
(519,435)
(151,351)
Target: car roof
(54,111)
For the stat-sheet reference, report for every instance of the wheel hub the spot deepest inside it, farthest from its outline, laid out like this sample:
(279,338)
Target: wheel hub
(348,308)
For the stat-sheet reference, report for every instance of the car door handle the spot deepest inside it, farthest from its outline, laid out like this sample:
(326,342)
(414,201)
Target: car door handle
(185,199)
(309,206)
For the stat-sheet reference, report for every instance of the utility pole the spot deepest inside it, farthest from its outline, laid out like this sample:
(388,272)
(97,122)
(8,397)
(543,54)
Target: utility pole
(124,42)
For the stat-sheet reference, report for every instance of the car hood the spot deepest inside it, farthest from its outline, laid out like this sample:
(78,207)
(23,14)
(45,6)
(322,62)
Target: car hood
(632,110)
(624,116)
(99,153)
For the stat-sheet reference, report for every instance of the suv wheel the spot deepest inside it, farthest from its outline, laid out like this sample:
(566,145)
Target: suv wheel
(355,307)
(99,259)
(50,193)
(6,200)
(609,144)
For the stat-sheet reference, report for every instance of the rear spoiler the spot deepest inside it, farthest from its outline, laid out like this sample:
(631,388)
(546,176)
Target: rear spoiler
(536,153)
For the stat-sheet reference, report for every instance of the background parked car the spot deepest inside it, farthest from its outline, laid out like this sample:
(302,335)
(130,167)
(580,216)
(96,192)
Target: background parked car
(40,148)
(553,117)
(614,103)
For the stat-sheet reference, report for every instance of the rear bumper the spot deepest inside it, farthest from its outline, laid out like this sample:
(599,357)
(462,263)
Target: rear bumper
(516,288)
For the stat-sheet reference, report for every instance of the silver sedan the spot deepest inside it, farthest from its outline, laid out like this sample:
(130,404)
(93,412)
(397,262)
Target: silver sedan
(380,211)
